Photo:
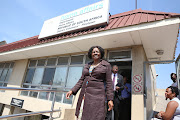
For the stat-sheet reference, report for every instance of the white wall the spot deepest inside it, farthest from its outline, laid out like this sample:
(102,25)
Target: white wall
(151,88)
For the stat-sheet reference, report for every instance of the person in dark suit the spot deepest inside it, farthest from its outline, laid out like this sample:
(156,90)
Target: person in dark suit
(92,87)
(117,81)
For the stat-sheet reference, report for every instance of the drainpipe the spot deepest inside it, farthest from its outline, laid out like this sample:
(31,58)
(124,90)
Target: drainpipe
(145,89)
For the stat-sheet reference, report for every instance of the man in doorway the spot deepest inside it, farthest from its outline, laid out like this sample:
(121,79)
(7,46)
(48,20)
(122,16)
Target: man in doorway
(117,79)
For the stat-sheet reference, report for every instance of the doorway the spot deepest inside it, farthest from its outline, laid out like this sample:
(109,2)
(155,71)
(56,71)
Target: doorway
(124,101)
(124,68)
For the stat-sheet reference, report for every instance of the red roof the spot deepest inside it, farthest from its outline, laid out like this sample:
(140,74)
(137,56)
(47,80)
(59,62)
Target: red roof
(129,18)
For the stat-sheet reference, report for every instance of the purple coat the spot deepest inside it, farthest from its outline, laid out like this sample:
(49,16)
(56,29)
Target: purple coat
(94,91)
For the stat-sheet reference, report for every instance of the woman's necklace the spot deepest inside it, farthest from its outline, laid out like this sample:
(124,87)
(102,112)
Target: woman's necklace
(94,65)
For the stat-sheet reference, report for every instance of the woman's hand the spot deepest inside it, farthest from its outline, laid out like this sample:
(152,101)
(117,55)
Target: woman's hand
(111,105)
(159,115)
(68,94)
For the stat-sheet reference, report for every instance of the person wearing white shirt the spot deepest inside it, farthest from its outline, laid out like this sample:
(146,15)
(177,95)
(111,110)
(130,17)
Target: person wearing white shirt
(117,79)
(173,107)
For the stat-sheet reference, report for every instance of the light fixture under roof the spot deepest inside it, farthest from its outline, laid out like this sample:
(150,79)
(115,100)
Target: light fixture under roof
(160,52)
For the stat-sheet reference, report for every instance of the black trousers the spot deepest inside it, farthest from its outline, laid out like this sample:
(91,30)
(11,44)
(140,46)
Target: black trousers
(125,109)
(116,110)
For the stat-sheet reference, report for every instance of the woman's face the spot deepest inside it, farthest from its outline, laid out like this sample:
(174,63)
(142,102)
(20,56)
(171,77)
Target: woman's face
(169,94)
(96,54)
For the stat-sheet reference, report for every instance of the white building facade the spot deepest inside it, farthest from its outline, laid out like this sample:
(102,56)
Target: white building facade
(131,40)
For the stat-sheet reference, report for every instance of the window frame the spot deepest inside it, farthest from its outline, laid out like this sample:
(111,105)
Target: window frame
(114,60)
(68,65)
(10,67)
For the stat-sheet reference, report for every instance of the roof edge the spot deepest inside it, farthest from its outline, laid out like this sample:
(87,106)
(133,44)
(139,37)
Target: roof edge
(144,11)
(26,39)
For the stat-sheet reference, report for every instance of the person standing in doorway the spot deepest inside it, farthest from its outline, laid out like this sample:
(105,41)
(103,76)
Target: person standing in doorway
(117,79)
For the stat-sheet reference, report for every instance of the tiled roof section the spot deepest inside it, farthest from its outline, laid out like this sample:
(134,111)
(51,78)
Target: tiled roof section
(20,44)
(125,19)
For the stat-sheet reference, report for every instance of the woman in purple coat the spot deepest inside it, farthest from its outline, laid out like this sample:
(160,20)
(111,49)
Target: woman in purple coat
(94,75)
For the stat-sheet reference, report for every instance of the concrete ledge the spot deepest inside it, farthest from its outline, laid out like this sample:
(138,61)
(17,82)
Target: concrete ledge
(69,114)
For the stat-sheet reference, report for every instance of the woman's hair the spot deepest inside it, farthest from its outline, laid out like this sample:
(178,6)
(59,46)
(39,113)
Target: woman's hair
(173,74)
(100,49)
(174,90)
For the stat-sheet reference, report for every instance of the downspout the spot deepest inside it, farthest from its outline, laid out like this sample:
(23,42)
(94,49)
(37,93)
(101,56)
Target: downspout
(145,89)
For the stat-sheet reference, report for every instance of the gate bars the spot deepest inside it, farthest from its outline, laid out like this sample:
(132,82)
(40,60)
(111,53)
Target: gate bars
(34,113)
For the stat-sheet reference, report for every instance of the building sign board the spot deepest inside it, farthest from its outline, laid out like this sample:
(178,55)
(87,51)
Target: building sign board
(92,15)
(17,102)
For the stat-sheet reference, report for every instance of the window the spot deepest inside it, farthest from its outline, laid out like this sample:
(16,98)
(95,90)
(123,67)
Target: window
(32,63)
(73,76)
(29,75)
(56,73)
(60,76)
(77,60)
(119,55)
(5,73)
(51,61)
(63,60)
(44,95)
(48,76)
(41,62)
(25,92)
(38,76)
(33,94)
